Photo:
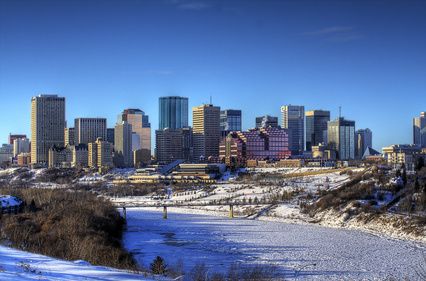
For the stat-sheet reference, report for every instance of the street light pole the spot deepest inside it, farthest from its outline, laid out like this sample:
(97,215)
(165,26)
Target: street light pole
(314,264)
(207,273)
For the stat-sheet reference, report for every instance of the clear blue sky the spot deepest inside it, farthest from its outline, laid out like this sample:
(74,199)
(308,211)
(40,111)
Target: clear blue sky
(369,57)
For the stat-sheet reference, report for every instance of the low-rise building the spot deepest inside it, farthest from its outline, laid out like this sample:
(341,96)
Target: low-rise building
(322,151)
(6,152)
(270,143)
(402,154)
(80,155)
(100,154)
(24,159)
(60,157)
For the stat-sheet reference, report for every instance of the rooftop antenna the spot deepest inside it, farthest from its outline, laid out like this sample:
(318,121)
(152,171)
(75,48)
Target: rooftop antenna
(340,112)
(211,100)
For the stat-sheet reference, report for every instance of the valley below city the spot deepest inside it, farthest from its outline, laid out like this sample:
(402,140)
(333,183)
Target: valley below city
(272,218)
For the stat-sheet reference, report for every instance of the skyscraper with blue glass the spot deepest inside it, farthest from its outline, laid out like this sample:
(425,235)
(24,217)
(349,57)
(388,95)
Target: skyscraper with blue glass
(230,121)
(173,112)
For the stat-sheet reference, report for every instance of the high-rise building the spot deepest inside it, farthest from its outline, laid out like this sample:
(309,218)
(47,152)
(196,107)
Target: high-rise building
(316,124)
(21,146)
(123,143)
(419,130)
(14,137)
(173,144)
(140,125)
(173,112)
(230,121)
(110,135)
(292,118)
(47,126)
(89,129)
(266,121)
(363,139)
(69,136)
(206,131)
(341,137)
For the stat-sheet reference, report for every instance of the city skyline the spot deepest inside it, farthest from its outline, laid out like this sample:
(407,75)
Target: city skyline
(254,56)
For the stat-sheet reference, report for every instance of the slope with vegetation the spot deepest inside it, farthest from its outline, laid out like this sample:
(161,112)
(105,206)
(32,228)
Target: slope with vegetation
(66,224)
(378,199)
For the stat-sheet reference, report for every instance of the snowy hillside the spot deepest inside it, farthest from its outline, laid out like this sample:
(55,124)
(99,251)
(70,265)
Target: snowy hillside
(19,265)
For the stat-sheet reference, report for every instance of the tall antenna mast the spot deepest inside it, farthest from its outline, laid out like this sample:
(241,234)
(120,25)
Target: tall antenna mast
(340,111)
(211,100)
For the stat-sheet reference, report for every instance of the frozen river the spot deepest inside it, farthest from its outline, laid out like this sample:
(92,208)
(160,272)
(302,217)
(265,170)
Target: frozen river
(339,254)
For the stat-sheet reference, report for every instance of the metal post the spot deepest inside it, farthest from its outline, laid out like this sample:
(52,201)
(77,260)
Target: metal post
(231,211)
(164,212)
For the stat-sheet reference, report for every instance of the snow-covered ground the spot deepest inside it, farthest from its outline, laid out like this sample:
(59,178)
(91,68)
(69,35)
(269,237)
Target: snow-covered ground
(7,200)
(19,265)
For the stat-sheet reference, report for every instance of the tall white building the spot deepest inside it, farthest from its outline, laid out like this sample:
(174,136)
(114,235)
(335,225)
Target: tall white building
(47,126)
(292,119)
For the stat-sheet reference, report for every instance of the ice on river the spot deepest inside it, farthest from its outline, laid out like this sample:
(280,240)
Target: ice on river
(339,254)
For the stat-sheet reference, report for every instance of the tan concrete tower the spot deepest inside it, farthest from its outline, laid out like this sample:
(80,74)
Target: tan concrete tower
(47,126)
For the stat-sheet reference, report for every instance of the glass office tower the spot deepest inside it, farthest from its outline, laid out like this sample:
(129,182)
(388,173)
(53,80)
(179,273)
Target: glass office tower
(230,121)
(341,138)
(316,124)
(292,118)
(173,112)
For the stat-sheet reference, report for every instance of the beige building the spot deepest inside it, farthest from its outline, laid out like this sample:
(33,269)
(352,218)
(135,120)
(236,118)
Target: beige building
(402,154)
(60,157)
(322,151)
(21,146)
(69,136)
(140,125)
(90,129)
(100,153)
(206,131)
(47,126)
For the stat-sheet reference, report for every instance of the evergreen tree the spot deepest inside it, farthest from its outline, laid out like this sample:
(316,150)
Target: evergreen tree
(404,177)
(420,163)
(158,266)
